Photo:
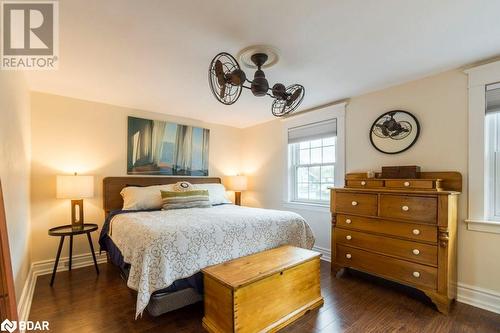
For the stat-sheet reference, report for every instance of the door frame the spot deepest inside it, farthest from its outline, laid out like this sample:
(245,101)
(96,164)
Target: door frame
(7,278)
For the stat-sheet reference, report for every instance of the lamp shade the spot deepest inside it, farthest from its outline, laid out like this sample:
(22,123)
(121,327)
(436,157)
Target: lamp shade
(75,187)
(237,183)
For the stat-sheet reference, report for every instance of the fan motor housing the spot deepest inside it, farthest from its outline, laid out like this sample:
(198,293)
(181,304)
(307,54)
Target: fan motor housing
(259,84)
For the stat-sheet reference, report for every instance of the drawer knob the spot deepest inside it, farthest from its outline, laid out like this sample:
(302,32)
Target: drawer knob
(405,208)
(348,256)
(416,232)
(354,203)
(406,184)
(363,183)
(416,274)
(416,252)
(348,237)
(348,221)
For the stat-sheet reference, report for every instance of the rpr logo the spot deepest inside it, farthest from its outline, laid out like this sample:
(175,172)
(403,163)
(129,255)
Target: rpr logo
(30,38)
(8,325)
(11,326)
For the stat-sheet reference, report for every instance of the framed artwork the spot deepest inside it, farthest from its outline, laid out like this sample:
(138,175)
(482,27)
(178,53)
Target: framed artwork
(158,147)
(394,132)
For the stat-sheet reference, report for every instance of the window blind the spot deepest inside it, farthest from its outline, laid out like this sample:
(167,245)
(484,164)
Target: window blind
(493,98)
(313,131)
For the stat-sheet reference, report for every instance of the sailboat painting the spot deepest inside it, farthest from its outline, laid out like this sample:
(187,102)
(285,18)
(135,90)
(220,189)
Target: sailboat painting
(158,147)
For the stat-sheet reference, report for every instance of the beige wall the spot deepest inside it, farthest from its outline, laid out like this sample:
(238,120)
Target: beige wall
(71,135)
(440,104)
(15,168)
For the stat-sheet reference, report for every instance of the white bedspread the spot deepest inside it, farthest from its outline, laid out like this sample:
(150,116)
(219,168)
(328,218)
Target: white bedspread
(164,246)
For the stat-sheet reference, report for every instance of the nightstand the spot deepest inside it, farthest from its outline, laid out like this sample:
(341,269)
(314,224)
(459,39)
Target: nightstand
(68,230)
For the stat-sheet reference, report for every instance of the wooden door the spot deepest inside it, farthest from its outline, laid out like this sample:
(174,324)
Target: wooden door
(8,308)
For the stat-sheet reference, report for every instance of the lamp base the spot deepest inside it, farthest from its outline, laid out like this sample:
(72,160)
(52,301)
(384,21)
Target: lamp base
(237,198)
(77,214)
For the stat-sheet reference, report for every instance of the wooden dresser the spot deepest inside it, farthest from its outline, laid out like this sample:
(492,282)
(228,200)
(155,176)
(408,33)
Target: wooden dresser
(399,229)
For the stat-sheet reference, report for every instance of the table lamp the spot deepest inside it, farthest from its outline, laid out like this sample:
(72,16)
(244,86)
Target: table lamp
(237,184)
(75,188)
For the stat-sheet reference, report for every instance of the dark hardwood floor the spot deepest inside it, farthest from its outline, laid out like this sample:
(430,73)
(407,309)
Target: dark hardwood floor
(354,302)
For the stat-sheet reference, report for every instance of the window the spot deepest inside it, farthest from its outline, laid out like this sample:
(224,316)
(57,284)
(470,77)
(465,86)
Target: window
(492,152)
(312,151)
(484,148)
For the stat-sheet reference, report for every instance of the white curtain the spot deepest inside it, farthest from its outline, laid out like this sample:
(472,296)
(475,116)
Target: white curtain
(157,136)
(206,139)
(183,147)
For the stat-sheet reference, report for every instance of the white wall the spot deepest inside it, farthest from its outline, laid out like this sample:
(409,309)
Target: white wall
(440,104)
(14,170)
(263,161)
(71,135)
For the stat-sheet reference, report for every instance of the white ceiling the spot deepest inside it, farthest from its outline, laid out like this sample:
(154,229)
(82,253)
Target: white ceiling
(154,55)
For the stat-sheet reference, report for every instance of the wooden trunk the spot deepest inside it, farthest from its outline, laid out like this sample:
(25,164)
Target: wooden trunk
(402,230)
(262,292)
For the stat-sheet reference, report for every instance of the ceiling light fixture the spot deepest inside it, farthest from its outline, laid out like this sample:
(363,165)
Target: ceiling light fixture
(227,79)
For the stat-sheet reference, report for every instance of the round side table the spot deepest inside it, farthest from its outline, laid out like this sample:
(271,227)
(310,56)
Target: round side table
(69,230)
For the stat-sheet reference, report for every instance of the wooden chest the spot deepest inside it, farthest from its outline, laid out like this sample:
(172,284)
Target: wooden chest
(262,292)
(407,235)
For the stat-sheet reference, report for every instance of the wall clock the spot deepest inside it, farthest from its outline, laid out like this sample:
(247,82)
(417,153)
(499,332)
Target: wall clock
(394,132)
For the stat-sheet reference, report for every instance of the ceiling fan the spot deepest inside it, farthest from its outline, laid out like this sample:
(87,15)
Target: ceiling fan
(227,80)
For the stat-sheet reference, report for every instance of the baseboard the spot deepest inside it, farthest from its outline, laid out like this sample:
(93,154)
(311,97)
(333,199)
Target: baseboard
(45,267)
(24,305)
(326,253)
(479,297)
(79,260)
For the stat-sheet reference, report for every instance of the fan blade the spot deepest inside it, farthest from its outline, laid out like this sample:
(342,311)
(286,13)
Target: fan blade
(219,72)
(293,97)
(222,92)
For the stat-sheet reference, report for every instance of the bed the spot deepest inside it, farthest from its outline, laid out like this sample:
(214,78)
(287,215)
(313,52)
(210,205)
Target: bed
(162,252)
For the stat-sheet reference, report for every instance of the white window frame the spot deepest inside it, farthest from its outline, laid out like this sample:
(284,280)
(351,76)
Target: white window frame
(293,174)
(336,111)
(479,78)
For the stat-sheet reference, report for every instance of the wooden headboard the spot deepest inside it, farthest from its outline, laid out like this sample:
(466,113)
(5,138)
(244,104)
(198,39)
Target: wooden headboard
(112,187)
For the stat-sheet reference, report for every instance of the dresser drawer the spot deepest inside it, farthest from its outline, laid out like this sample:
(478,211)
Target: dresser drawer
(400,229)
(395,269)
(423,184)
(365,183)
(356,203)
(418,252)
(414,208)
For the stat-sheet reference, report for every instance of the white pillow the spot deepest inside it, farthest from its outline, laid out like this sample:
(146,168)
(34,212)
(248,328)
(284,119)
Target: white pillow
(148,197)
(216,193)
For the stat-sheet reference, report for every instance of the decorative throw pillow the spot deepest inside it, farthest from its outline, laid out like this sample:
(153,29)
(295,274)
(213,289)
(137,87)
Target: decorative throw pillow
(185,199)
(183,187)
(216,193)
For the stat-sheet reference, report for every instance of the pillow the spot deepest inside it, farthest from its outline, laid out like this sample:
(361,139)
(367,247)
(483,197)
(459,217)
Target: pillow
(216,193)
(185,199)
(148,197)
(183,187)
